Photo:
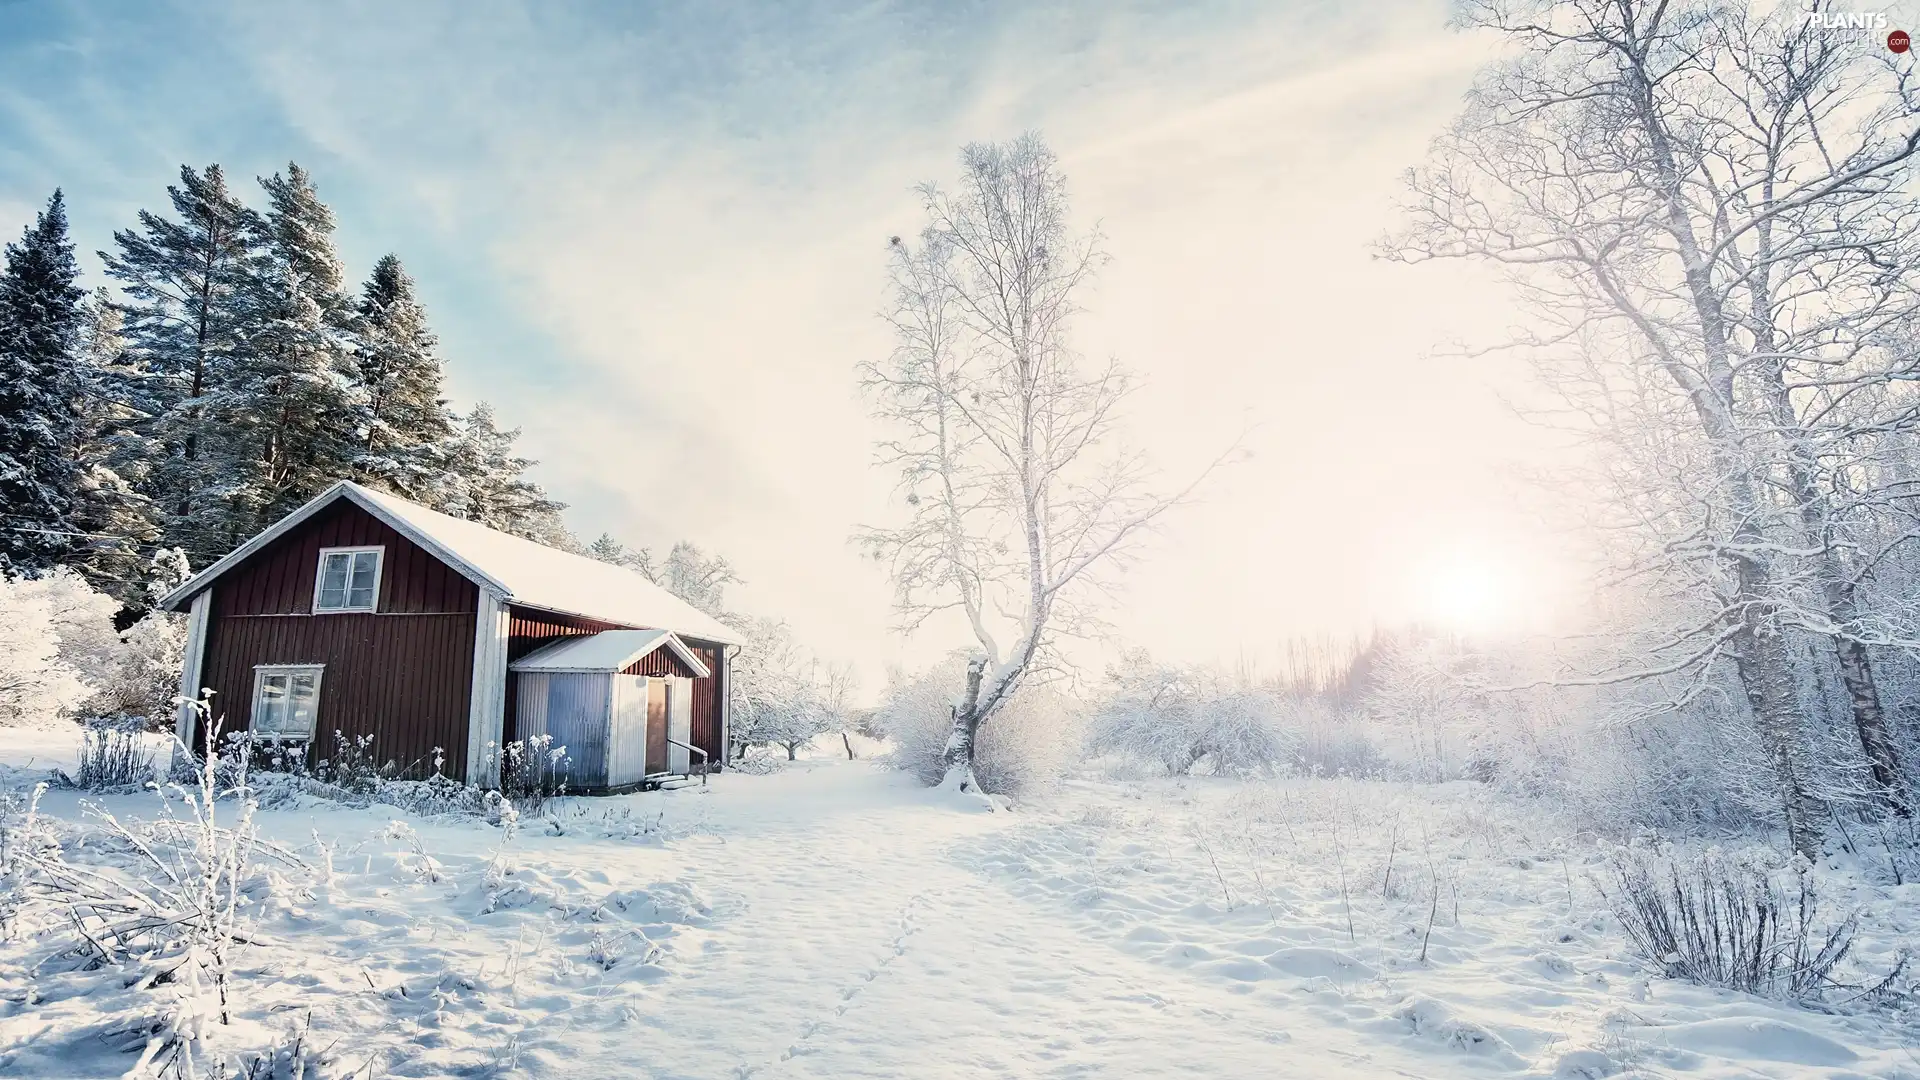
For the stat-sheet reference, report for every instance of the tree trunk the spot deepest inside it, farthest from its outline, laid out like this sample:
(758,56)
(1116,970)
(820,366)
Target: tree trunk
(1856,665)
(1763,657)
(966,728)
(847,741)
(1870,723)
(1766,673)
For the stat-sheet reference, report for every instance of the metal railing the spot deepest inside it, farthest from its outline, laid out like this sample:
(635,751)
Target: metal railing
(705,767)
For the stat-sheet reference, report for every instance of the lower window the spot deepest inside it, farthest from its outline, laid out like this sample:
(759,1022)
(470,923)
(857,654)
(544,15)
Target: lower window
(286,700)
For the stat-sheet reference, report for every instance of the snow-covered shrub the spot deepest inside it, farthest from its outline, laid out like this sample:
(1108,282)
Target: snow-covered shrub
(532,772)
(1180,718)
(752,761)
(168,920)
(1149,715)
(60,655)
(82,618)
(1328,741)
(1722,921)
(1241,732)
(113,754)
(350,764)
(142,675)
(533,776)
(38,680)
(1028,743)
(1417,692)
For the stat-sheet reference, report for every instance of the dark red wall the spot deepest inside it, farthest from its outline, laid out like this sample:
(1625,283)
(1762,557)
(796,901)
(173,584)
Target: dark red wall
(659,662)
(279,579)
(530,628)
(706,699)
(403,674)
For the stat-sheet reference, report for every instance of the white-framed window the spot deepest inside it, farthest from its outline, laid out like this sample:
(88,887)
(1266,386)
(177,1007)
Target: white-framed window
(348,579)
(286,700)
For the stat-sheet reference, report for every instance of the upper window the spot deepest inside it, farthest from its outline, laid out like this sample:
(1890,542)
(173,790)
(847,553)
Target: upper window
(349,579)
(286,699)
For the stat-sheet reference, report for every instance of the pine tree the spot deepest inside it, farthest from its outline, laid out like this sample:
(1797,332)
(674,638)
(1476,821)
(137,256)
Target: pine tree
(613,552)
(288,404)
(113,454)
(183,282)
(40,326)
(688,572)
(404,422)
(485,481)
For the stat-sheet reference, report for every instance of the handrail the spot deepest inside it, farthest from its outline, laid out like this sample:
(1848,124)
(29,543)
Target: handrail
(705,766)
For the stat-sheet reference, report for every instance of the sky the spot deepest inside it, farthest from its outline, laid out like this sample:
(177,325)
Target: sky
(654,236)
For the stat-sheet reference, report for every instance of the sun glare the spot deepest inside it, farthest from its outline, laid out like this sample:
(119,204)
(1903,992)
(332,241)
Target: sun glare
(1469,595)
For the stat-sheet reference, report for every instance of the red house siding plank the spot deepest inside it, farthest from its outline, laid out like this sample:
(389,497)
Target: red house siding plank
(661,662)
(392,677)
(279,579)
(706,703)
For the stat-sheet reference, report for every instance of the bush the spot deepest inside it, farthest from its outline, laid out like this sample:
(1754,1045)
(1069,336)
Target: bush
(37,682)
(142,675)
(174,917)
(59,654)
(1718,921)
(533,772)
(1181,718)
(114,754)
(1329,743)
(1028,743)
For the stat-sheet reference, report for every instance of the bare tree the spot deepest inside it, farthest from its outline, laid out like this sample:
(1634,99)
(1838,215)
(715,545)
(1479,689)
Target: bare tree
(1706,210)
(1016,491)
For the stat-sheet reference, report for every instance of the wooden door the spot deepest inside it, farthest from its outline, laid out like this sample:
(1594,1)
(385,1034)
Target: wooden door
(657,725)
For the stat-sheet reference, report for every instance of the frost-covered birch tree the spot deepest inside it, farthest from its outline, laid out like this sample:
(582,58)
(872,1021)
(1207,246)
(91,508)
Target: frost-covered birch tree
(1707,209)
(1017,492)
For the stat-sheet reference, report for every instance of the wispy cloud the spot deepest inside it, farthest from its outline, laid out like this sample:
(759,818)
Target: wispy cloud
(656,239)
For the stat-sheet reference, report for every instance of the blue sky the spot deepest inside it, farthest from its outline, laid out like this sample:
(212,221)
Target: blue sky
(653,236)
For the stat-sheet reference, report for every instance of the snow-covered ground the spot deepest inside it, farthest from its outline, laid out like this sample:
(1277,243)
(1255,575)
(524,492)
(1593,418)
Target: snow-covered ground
(837,920)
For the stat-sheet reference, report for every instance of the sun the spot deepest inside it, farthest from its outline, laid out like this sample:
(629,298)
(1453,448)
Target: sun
(1469,594)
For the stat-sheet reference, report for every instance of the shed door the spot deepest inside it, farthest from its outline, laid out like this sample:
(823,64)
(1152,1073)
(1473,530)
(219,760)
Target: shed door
(657,694)
(576,718)
(627,742)
(680,724)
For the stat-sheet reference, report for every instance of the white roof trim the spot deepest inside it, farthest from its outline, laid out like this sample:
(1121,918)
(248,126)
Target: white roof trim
(553,657)
(351,492)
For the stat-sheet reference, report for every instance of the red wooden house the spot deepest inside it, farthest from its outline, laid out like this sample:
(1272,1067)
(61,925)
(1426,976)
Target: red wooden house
(367,614)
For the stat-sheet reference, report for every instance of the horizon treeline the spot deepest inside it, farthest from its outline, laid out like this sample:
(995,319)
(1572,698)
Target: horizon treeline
(226,372)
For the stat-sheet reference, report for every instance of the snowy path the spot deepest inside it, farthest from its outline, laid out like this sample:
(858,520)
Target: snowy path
(876,946)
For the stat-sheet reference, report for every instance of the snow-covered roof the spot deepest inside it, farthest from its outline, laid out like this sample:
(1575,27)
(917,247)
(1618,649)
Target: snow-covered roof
(519,571)
(608,650)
